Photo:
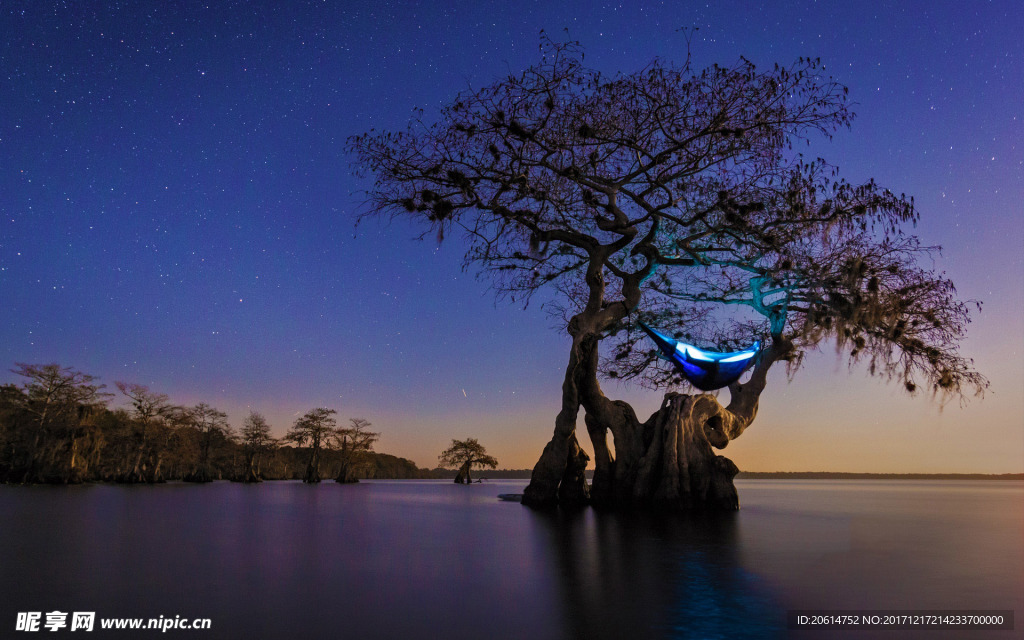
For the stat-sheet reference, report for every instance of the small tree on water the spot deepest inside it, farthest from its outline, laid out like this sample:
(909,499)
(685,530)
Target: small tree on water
(465,454)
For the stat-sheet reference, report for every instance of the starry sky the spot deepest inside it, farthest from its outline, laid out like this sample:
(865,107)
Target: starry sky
(177,210)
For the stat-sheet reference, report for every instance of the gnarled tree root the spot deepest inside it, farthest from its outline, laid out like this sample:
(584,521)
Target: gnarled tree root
(679,469)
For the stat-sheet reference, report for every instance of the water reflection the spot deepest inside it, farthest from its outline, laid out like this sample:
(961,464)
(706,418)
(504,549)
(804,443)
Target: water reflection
(437,560)
(632,575)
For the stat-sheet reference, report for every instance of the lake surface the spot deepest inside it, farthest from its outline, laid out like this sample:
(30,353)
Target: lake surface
(424,559)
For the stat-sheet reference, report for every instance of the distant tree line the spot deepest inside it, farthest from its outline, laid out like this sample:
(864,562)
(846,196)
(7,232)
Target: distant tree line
(56,426)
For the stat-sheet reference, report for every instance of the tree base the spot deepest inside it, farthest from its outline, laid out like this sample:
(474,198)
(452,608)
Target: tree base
(680,470)
(347,473)
(559,477)
(464,476)
(669,464)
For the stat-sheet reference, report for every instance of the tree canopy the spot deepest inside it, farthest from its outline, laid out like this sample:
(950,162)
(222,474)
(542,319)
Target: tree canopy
(673,194)
(466,451)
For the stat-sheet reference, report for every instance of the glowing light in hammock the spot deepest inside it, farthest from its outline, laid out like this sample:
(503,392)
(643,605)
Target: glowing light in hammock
(706,370)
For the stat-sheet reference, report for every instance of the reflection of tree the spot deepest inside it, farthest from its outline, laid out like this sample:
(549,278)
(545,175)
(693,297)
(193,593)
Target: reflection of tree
(630,575)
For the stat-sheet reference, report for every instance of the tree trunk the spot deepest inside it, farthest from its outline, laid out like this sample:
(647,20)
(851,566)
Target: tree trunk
(252,473)
(313,468)
(202,471)
(347,473)
(573,489)
(32,471)
(157,476)
(135,475)
(200,474)
(561,457)
(679,469)
(463,477)
(666,462)
(74,472)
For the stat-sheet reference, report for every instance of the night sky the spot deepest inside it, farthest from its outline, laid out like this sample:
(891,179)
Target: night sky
(177,210)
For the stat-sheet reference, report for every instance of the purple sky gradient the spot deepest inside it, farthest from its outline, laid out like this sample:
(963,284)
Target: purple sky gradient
(176,210)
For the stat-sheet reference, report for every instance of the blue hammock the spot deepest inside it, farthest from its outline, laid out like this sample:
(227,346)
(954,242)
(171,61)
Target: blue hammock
(706,370)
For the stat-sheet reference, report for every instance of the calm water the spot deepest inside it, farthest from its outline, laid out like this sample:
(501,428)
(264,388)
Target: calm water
(436,560)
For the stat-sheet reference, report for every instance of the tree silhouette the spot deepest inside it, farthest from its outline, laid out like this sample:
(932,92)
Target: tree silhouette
(672,196)
(352,443)
(465,454)
(209,425)
(313,430)
(60,402)
(256,440)
(154,418)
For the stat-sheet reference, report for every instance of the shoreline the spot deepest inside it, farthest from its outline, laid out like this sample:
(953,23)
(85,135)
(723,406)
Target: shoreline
(516,475)
(836,475)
